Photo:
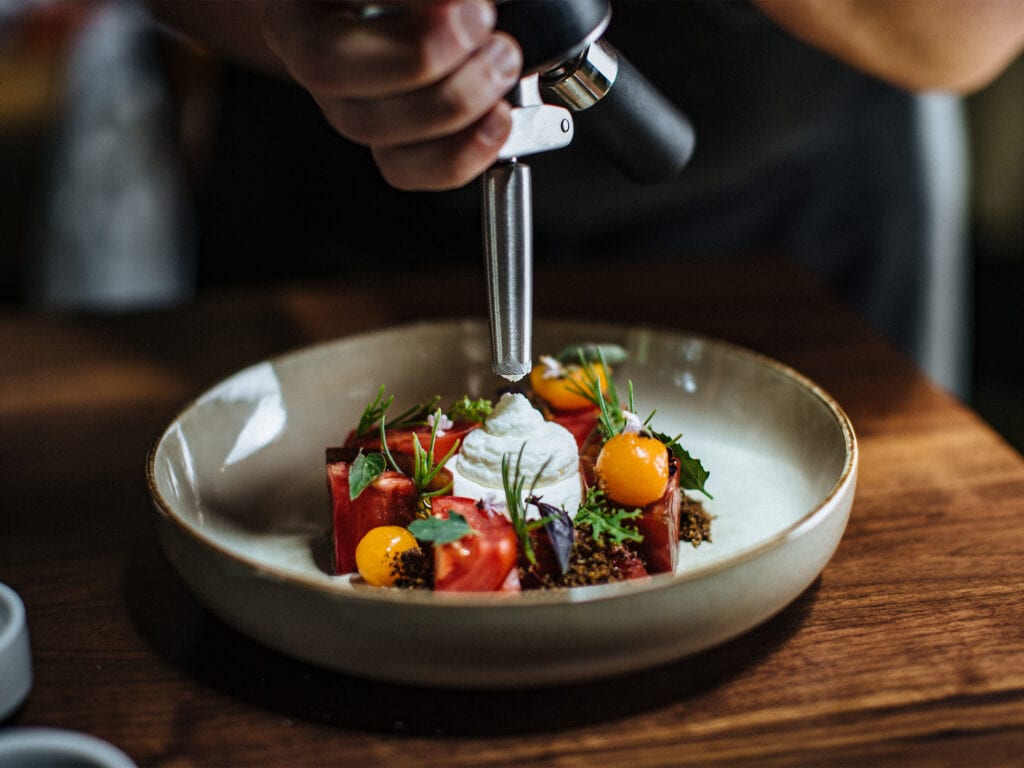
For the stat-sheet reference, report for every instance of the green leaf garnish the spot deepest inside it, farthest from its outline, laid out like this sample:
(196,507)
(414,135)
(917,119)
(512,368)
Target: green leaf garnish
(611,354)
(610,420)
(514,485)
(692,475)
(366,468)
(425,469)
(470,410)
(605,519)
(416,416)
(373,412)
(442,530)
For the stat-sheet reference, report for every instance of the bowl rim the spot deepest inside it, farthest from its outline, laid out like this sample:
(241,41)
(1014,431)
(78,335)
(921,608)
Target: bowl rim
(345,591)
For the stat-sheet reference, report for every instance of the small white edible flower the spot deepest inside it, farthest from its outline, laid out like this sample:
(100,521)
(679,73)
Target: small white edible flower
(633,423)
(443,422)
(491,503)
(552,368)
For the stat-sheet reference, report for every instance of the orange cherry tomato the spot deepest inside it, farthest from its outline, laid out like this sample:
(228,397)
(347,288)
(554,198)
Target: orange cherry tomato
(562,393)
(632,469)
(377,550)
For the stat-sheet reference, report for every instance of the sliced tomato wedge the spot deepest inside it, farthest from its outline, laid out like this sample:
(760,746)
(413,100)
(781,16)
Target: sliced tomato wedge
(659,524)
(391,499)
(482,562)
(400,440)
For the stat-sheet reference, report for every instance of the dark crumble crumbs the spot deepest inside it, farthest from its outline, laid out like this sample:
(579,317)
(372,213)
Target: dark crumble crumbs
(592,562)
(694,521)
(414,569)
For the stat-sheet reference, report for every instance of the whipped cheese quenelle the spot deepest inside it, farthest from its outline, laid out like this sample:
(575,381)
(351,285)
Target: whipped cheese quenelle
(512,424)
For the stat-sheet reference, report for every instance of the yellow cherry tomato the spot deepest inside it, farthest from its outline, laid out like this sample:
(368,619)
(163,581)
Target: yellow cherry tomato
(377,550)
(632,469)
(562,393)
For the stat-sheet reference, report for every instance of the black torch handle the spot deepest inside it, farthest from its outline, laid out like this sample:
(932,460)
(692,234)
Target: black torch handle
(646,136)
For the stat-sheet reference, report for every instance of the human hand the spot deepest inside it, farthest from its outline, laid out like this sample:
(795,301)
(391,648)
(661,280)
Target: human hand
(422,84)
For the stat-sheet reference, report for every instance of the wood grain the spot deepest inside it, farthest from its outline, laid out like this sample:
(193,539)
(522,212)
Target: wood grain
(908,650)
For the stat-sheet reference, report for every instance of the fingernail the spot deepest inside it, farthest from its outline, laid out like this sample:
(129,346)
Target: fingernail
(494,128)
(473,21)
(504,58)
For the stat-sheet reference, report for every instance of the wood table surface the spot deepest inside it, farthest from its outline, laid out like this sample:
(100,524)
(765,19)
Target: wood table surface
(908,650)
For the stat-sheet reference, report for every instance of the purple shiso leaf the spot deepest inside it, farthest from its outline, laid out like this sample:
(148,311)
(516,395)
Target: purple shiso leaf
(559,529)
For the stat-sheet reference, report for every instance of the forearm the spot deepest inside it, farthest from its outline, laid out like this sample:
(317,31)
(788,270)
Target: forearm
(956,45)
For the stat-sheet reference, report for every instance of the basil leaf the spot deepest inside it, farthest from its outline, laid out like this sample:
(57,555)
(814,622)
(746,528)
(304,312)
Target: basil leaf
(364,470)
(441,530)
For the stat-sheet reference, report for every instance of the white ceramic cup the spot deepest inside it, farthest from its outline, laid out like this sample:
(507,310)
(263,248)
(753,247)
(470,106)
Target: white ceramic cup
(15,653)
(58,748)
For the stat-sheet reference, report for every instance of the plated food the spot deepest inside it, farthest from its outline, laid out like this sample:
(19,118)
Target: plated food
(237,482)
(558,484)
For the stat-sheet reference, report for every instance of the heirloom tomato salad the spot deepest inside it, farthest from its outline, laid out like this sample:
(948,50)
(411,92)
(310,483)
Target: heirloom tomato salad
(557,483)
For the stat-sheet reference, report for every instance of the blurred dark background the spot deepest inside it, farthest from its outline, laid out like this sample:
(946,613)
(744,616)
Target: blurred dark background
(34,86)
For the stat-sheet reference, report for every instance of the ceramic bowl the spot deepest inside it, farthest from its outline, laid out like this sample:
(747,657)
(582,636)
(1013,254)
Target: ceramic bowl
(15,653)
(238,483)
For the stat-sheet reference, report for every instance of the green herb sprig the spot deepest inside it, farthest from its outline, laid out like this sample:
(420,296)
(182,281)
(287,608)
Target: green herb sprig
(425,469)
(514,483)
(373,414)
(607,520)
(611,420)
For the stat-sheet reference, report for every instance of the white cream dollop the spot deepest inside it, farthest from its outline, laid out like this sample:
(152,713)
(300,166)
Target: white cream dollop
(550,462)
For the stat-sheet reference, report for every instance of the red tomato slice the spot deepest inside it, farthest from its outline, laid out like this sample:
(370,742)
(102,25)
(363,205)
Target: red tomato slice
(400,440)
(484,562)
(391,499)
(659,524)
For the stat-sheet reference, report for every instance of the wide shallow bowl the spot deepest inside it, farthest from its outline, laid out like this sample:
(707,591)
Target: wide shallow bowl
(239,486)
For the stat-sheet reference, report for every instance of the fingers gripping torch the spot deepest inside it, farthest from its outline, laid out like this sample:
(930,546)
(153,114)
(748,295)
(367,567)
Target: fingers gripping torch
(567,68)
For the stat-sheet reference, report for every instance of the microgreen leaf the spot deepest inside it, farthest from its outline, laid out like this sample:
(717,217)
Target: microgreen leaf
(514,485)
(424,468)
(607,520)
(692,475)
(610,420)
(416,416)
(442,530)
(366,468)
(470,410)
(373,412)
